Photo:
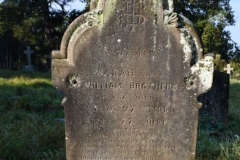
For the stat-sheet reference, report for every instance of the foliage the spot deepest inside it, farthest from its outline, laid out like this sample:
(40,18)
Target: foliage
(37,23)
(236,69)
(211,18)
(41,24)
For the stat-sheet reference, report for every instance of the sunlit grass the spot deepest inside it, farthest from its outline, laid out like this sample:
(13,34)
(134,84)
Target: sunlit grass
(24,81)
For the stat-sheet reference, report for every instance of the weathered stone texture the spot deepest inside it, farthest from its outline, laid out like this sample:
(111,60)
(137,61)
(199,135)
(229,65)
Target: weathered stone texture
(131,80)
(215,102)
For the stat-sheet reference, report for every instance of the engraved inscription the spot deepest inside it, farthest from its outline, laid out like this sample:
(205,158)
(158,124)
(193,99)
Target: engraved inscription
(125,145)
(153,86)
(126,121)
(156,109)
(112,97)
(95,85)
(152,122)
(132,86)
(147,98)
(128,109)
(133,16)
(121,154)
(128,73)
(153,74)
(163,109)
(133,53)
(114,73)
(99,110)
(94,122)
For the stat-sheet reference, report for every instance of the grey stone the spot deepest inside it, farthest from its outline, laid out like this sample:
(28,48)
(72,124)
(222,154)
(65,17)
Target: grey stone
(131,72)
(29,66)
(215,102)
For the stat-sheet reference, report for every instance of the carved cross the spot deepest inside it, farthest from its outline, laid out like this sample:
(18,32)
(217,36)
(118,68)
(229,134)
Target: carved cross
(218,61)
(228,69)
(28,52)
(133,14)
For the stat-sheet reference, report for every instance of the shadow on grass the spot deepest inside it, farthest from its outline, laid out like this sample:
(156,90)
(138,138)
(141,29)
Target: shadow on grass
(28,93)
(34,98)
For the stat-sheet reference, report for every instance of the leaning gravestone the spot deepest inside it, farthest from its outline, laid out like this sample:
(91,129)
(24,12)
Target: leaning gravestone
(131,71)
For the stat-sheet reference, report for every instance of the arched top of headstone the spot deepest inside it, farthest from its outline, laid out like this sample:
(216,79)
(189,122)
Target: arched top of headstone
(131,21)
(130,15)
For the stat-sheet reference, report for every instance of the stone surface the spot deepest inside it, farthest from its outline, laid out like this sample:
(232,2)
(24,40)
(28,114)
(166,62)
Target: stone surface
(228,69)
(215,102)
(131,71)
(28,52)
(218,62)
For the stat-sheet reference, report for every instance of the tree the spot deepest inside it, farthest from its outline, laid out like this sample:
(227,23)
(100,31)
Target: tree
(39,23)
(211,18)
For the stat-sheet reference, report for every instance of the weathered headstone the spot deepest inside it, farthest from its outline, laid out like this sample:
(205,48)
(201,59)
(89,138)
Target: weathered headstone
(131,71)
(215,102)
(213,113)
(29,65)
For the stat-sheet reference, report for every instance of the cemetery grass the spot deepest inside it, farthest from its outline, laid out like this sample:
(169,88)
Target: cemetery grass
(29,129)
(222,142)
(29,107)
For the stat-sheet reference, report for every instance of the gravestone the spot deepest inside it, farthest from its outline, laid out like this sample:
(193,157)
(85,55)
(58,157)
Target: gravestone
(215,102)
(28,52)
(218,62)
(131,71)
(228,69)
(48,59)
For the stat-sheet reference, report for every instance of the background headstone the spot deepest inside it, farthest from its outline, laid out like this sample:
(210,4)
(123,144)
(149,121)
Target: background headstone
(228,69)
(131,75)
(28,52)
(215,102)
(218,62)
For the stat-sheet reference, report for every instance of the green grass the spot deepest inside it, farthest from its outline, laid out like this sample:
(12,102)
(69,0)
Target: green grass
(223,144)
(29,106)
